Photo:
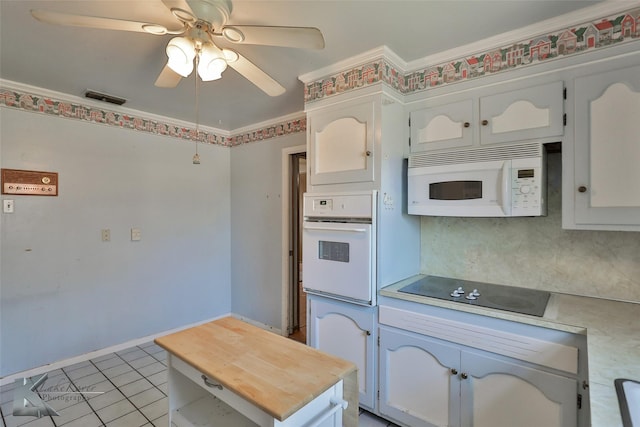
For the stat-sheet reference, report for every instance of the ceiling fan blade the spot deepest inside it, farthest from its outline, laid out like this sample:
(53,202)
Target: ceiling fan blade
(300,37)
(180,9)
(168,78)
(72,20)
(256,76)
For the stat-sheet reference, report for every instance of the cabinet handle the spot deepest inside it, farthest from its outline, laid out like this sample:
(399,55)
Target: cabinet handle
(485,122)
(464,376)
(582,189)
(368,153)
(210,384)
(466,124)
(454,371)
(368,333)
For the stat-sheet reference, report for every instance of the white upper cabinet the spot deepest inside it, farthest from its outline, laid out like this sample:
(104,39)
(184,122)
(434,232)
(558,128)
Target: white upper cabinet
(534,112)
(341,144)
(442,126)
(606,151)
(530,113)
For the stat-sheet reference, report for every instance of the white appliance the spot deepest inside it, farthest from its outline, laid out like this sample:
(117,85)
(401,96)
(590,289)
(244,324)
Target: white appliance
(339,246)
(501,181)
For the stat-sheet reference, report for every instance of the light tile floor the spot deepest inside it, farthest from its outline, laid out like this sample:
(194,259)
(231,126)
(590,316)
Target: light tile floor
(123,389)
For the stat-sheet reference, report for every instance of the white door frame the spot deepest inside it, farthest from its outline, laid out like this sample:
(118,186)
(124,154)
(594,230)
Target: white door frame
(286,231)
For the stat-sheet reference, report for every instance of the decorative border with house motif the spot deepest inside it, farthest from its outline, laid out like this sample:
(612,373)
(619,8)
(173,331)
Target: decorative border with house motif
(70,110)
(614,29)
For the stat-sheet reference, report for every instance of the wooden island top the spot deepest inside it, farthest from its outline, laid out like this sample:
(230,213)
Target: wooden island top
(274,373)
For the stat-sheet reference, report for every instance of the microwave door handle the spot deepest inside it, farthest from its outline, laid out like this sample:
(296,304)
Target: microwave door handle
(506,188)
(354,230)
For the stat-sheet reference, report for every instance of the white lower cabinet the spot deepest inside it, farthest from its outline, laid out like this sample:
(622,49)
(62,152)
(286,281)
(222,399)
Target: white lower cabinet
(418,386)
(498,393)
(447,368)
(427,382)
(347,331)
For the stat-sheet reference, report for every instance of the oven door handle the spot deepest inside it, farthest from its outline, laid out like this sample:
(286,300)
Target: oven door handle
(350,229)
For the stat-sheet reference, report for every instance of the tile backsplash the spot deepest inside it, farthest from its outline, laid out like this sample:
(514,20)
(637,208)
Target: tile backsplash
(534,252)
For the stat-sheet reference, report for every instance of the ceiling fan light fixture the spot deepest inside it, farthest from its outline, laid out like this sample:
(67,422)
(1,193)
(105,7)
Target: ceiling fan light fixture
(181,52)
(211,64)
(211,70)
(230,55)
(233,34)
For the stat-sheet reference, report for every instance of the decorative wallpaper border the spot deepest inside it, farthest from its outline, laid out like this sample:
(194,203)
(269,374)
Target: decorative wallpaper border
(72,110)
(601,33)
(271,131)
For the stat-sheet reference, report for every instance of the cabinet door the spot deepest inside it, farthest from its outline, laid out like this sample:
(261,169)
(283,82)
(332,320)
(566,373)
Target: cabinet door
(530,113)
(341,144)
(607,148)
(444,126)
(418,383)
(347,331)
(496,393)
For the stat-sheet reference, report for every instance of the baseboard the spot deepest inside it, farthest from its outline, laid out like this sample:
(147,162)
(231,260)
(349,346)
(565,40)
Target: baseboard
(94,354)
(258,324)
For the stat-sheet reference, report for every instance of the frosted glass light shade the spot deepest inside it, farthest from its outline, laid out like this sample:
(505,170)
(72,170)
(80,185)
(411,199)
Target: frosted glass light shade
(230,55)
(212,64)
(181,52)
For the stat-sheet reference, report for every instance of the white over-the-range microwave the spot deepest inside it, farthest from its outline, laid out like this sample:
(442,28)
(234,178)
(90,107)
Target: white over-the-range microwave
(501,181)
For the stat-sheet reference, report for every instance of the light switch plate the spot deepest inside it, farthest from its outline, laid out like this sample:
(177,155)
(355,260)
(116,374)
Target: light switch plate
(7,206)
(106,235)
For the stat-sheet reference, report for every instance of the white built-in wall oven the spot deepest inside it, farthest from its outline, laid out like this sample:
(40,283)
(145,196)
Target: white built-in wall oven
(339,246)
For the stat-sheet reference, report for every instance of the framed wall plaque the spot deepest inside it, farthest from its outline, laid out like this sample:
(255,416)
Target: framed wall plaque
(29,183)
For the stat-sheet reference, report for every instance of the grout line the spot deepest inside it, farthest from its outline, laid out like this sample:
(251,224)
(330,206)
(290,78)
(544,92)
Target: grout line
(125,396)
(81,395)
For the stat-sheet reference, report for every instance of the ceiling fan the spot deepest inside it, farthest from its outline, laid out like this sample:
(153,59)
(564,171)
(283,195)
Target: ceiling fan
(202,24)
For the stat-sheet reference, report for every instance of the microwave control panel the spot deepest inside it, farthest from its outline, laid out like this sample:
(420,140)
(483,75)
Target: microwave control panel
(527,191)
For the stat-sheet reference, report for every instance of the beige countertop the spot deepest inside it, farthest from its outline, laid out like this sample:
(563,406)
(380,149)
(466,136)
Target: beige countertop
(613,339)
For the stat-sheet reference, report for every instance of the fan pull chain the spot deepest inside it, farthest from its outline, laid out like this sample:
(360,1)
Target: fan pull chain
(196,157)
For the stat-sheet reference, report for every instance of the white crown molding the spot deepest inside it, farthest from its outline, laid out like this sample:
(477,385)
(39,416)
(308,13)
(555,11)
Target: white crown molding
(21,87)
(607,7)
(354,61)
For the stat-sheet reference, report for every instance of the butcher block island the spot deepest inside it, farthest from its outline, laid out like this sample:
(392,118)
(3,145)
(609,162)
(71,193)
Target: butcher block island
(230,373)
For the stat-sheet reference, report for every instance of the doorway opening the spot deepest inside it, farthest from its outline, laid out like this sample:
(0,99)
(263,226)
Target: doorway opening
(297,297)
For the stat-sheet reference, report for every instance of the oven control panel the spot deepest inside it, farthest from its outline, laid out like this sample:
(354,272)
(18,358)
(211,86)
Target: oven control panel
(345,205)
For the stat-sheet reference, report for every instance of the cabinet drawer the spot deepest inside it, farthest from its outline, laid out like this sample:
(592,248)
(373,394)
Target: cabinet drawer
(324,411)
(230,398)
(522,347)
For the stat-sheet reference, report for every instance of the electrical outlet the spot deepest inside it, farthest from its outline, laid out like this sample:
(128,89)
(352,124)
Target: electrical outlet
(106,235)
(136,234)
(7,206)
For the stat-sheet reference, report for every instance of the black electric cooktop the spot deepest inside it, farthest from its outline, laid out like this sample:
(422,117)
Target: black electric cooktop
(508,298)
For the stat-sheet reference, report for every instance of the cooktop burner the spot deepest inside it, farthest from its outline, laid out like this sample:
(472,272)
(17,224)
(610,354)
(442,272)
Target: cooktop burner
(508,298)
